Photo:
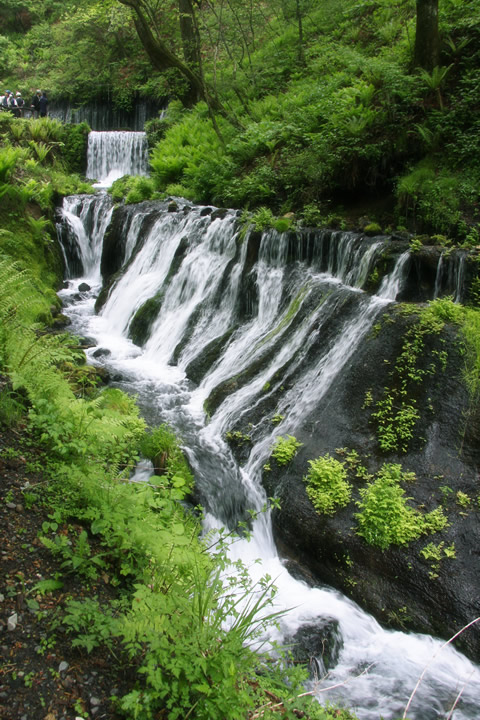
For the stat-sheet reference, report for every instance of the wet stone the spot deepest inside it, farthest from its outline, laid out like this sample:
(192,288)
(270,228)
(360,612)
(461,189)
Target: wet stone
(12,622)
(101,352)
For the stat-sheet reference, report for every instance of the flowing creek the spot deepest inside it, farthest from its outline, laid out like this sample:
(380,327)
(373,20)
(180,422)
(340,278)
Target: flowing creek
(268,334)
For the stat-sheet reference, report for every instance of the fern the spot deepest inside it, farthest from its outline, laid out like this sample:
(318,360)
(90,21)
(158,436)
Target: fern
(8,159)
(41,149)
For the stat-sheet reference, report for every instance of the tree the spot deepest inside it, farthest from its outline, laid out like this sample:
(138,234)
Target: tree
(164,56)
(426,35)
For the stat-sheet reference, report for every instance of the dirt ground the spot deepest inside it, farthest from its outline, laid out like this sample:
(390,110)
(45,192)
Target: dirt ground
(41,676)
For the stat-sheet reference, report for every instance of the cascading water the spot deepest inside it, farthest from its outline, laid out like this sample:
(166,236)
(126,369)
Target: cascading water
(450,278)
(111,155)
(199,269)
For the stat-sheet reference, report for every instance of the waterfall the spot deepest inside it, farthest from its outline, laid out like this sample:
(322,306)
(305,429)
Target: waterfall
(450,277)
(102,115)
(83,222)
(113,154)
(293,313)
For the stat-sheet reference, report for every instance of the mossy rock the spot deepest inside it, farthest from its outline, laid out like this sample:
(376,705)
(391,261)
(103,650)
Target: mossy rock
(144,318)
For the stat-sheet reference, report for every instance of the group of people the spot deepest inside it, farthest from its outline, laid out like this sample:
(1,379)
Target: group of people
(14,103)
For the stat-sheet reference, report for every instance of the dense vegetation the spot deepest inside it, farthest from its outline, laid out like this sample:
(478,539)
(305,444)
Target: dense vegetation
(315,108)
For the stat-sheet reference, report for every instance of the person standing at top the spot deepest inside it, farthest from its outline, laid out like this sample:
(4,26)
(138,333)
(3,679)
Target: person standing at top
(5,100)
(12,103)
(35,105)
(20,104)
(43,104)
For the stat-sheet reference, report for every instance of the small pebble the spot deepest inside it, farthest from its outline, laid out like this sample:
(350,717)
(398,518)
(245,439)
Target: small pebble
(63,667)
(2,597)
(94,701)
(12,622)
(11,506)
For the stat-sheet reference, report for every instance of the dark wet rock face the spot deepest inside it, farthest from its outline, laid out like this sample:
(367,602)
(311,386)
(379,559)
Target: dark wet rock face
(398,585)
(316,645)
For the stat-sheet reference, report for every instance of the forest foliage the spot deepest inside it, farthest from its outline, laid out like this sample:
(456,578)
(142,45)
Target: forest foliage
(314,108)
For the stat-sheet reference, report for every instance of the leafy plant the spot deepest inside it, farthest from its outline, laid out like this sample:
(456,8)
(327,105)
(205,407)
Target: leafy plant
(236,437)
(435,553)
(77,556)
(262,219)
(385,518)
(285,449)
(161,446)
(327,486)
(396,413)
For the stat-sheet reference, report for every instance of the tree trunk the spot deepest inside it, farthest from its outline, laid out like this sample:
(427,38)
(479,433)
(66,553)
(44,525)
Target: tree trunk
(160,55)
(190,36)
(301,52)
(426,35)
(163,58)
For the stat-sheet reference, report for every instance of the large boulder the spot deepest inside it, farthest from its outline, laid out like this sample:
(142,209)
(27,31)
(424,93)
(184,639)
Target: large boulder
(399,585)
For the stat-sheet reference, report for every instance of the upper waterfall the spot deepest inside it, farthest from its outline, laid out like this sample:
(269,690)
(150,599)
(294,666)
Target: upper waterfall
(113,154)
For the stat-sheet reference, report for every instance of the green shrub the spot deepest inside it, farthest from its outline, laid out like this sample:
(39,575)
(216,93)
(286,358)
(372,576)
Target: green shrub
(431,198)
(132,189)
(262,219)
(179,156)
(385,518)
(285,449)
(327,486)
(162,448)
(74,152)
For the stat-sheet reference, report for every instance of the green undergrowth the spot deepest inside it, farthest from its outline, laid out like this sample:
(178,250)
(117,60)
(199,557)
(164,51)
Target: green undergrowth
(133,189)
(348,117)
(285,448)
(39,164)
(384,516)
(327,486)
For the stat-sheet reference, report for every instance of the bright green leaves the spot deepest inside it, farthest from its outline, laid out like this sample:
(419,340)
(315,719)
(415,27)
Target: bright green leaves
(161,446)
(385,518)
(327,486)
(285,449)
(396,412)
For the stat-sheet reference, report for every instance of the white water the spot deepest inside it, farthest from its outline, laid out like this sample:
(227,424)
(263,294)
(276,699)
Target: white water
(395,659)
(111,155)
(450,279)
